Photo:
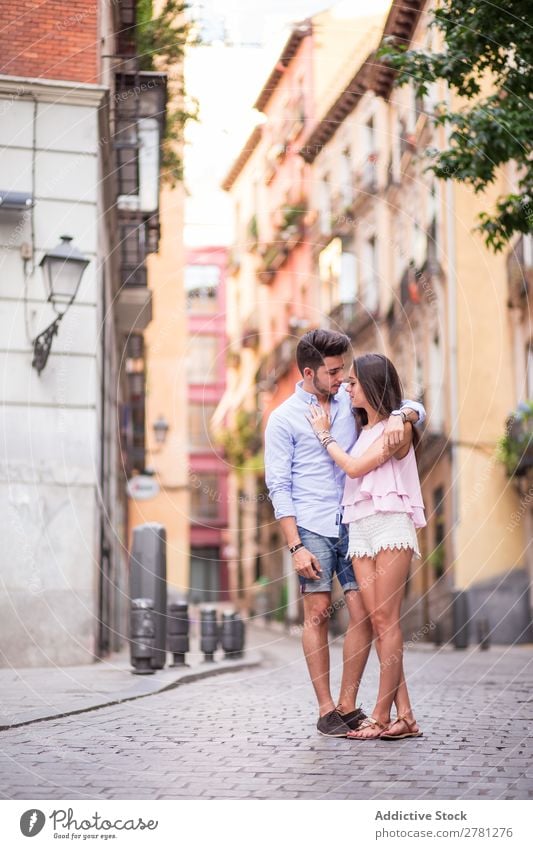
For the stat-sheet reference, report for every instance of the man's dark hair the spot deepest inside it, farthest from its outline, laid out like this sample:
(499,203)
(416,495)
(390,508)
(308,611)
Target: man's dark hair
(317,344)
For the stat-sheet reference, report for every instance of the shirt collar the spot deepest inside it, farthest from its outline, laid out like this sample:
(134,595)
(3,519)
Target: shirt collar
(309,397)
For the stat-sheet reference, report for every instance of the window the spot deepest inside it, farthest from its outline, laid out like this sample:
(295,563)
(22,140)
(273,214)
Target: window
(438,556)
(205,575)
(369,271)
(529,371)
(348,278)
(369,139)
(202,359)
(201,284)
(205,497)
(436,388)
(346,177)
(199,417)
(325,205)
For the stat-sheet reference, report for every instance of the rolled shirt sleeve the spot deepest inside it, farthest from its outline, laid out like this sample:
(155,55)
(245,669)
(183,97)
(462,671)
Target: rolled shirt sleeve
(418,408)
(279,451)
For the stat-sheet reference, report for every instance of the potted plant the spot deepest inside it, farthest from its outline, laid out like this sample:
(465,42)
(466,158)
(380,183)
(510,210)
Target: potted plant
(515,449)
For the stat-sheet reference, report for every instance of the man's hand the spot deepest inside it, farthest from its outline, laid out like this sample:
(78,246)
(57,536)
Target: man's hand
(306,565)
(394,431)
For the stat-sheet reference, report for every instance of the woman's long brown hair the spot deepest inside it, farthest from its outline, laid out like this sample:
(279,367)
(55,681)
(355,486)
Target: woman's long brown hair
(382,386)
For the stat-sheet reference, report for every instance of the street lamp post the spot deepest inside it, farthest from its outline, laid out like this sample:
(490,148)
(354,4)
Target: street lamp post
(63,269)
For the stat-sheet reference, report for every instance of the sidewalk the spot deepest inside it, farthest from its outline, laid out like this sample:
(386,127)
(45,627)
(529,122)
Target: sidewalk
(34,694)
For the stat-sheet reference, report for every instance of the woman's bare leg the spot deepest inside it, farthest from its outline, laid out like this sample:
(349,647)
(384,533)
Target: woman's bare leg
(390,574)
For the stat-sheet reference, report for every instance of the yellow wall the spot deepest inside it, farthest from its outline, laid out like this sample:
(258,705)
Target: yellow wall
(340,44)
(166,391)
(486,545)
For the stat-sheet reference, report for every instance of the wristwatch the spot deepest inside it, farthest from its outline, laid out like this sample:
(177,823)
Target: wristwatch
(400,413)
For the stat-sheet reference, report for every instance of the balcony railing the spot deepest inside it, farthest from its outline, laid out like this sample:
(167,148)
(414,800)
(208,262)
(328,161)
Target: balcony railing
(365,182)
(350,318)
(277,363)
(289,221)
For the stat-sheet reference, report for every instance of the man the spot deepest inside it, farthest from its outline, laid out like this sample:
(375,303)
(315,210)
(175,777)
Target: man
(306,489)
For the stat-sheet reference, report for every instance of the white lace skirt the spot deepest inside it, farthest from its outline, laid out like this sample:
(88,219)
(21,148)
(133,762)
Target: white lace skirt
(372,534)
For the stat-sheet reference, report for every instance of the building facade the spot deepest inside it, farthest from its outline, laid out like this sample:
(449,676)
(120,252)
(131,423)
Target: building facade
(391,258)
(205,374)
(73,114)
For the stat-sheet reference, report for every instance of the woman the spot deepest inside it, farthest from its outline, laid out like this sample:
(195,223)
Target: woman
(382,507)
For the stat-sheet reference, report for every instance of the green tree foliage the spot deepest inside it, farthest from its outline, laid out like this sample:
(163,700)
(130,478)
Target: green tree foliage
(161,44)
(484,43)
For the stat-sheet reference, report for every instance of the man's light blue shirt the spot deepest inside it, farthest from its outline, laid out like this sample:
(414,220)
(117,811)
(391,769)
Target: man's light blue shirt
(302,479)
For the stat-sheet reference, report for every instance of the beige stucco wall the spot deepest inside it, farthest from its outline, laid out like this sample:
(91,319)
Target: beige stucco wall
(486,544)
(166,391)
(341,43)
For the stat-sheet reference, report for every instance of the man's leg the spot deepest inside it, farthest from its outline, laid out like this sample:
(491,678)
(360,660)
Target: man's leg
(358,637)
(357,644)
(316,646)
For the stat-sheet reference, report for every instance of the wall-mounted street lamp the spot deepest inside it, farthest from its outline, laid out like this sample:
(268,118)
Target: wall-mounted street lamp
(160,428)
(63,269)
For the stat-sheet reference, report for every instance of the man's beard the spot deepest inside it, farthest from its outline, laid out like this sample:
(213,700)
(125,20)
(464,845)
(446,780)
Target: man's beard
(322,391)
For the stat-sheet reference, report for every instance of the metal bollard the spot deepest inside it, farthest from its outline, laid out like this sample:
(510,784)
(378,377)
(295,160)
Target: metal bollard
(142,639)
(238,624)
(483,634)
(208,633)
(148,579)
(460,618)
(178,632)
(228,633)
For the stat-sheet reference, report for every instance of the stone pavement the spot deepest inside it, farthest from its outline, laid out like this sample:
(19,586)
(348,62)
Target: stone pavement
(252,735)
(35,694)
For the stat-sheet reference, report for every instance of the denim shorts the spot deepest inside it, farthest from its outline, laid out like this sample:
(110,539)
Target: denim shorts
(331,554)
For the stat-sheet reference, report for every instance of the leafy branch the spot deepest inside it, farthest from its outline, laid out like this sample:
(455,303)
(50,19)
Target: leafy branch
(161,45)
(484,43)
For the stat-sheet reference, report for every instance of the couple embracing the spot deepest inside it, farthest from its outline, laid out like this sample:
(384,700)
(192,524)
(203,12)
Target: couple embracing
(342,476)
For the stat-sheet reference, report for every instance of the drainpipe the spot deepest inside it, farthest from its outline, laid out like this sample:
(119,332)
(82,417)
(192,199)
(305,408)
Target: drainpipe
(452,344)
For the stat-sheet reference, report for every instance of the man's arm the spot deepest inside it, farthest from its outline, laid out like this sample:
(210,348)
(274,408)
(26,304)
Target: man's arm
(279,451)
(394,429)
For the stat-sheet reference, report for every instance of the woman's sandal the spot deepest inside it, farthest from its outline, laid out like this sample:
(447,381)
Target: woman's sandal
(410,724)
(368,723)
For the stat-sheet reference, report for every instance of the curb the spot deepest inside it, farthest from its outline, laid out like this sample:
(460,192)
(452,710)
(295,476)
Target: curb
(187,678)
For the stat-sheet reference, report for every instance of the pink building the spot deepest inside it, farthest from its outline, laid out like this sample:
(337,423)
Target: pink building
(282,213)
(205,285)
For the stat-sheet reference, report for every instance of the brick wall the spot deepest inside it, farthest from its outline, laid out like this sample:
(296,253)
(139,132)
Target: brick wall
(50,39)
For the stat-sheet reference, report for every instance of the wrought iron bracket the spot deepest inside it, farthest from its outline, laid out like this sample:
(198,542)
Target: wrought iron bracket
(42,345)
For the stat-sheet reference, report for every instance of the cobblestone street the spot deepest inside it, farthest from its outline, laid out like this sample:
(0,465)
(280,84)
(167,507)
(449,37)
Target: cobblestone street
(251,734)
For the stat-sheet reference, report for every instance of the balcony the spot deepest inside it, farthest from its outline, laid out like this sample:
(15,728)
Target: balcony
(289,223)
(132,411)
(350,318)
(252,233)
(410,286)
(342,220)
(365,182)
(277,363)
(140,105)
